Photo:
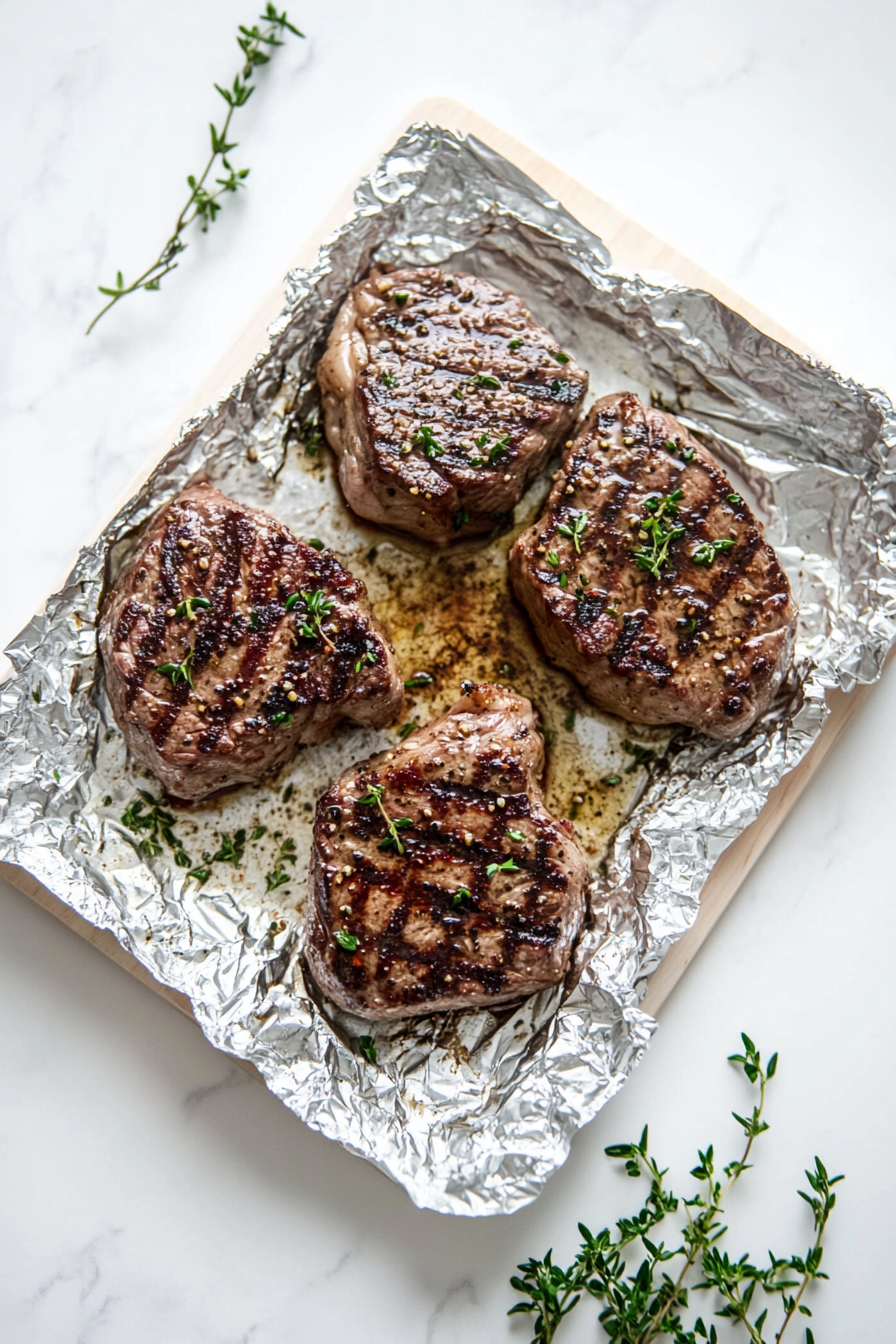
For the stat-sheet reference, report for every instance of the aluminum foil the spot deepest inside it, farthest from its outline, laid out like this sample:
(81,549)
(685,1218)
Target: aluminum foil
(469,1112)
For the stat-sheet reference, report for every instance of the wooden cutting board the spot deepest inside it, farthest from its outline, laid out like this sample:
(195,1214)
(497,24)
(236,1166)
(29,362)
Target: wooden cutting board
(633,248)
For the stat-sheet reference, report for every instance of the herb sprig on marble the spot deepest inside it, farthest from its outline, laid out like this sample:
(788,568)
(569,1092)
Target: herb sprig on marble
(642,1284)
(204,202)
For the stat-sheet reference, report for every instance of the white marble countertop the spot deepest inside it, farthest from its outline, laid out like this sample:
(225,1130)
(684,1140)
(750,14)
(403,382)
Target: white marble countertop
(151,1190)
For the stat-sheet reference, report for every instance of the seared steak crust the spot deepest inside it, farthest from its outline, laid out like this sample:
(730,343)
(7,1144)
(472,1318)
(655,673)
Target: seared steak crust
(442,400)
(251,687)
(708,641)
(395,934)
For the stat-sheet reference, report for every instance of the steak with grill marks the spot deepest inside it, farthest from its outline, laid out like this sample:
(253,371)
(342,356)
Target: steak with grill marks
(649,579)
(228,643)
(442,401)
(438,878)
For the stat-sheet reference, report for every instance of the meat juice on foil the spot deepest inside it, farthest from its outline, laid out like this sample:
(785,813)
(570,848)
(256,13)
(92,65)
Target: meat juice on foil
(470,1112)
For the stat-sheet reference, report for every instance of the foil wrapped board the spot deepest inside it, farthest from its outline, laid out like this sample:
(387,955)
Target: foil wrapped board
(469,1112)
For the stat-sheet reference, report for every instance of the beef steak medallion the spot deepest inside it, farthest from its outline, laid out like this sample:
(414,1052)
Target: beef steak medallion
(228,643)
(438,879)
(649,579)
(442,400)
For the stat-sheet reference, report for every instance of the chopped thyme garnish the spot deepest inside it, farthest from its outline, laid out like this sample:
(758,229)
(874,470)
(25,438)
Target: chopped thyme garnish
(553,559)
(424,437)
(367,1048)
(508,866)
(661,529)
(283,716)
(462,894)
(643,755)
(582,589)
(158,823)
(35,694)
(569,721)
(254,622)
(515,343)
(388,379)
(178,672)
(315,543)
(498,447)
(286,855)
(347,941)
(406,729)
(517,836)
(486,380)
(557,385)
(460,518)
(375,799)
(687,454)
(107,801)
(735,499)
(559,355)
(419,679)
(319,607)
(613,780)
(276,879)
(575,530)
(188,607)
(369,656)
(563,580)
(705,554)
(401,297)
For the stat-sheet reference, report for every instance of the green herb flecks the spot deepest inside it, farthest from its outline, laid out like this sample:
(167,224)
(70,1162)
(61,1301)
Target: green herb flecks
(369,656)
(178,672)
(642,755)
(569,721)
(317,608)
(367,1048)
(514,343)
(662,530)
(406,729)
(462,894)
(553,559)
(190,606)
(401,297)
(487,380)
(518,836)
(158,825)
(735,500)
(282,716)
(204,201)
(36,693)
(459,519)
(279,877)
(393,825)
(613,780)
(310,436)
(347,941)
(508,866)
(706,554)
(493,452)
(316,544)
(424,437)
(388,379)
(575,530)
(646,1305)
(419,679)
(559,356)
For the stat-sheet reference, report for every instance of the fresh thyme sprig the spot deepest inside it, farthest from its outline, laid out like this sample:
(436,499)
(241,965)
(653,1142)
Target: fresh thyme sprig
(424,437)
(279,877)
(644,1306)
(393,824)
(204,202)
(705,554)
(661,530)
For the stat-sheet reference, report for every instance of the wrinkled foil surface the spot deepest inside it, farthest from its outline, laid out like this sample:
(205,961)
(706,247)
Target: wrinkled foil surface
(469,1112)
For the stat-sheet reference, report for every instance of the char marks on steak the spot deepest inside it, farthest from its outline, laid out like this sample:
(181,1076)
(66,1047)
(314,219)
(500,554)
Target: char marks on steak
(219,595)
(667,610)
(477,894)
(442,400)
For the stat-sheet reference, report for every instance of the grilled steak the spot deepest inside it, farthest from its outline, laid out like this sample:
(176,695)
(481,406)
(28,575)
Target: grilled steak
(229,643)
(443,400)
(438,880)
(649,579)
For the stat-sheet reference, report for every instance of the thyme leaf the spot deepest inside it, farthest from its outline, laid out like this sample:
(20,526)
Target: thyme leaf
(662,529)
(424,437)
(706,554)
(178,672)
(374,798)
(575,529)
